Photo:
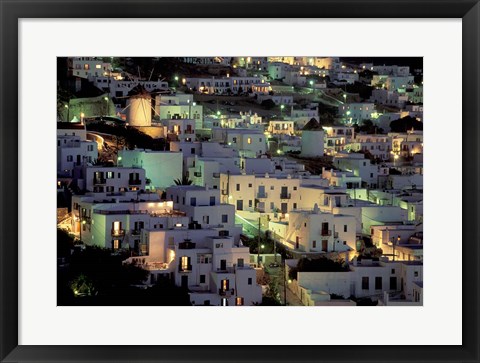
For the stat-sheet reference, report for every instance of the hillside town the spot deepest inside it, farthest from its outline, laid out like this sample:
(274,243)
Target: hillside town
(240,181)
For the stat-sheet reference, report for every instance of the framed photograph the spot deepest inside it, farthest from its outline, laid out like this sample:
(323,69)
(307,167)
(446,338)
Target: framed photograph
(239,182)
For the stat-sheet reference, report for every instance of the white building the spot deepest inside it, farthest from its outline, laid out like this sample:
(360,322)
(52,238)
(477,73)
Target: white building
(116,220)
(360,166)
(402,71)
(110,179)
(178,106)
(313,231)
(357,112)
(380,146)
(365,279)
(265,193)
(204,207)
(247,142)
(121,87)
(336,137)
(85,67)
(303,116)
(389,98)
(74,151)
(223,85)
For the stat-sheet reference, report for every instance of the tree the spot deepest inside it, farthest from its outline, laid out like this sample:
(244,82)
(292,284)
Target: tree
(405,124)
(83,286)
(183,181)
(268,104)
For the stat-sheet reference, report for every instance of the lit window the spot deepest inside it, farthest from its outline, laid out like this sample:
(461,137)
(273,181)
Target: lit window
(239,301)
(249,140)
(184,263)
(98,66)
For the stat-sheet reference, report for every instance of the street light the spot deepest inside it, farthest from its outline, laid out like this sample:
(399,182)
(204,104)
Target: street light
(311,83)
(68,113)
(106,100)
(345,98)
(281,110)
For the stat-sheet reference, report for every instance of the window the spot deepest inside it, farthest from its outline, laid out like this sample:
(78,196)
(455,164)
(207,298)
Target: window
(110,175)
(98,66)
(393,271)
(202,279)
(193,201)
(249,280)
(294,188)
(345,228)
(237,187)
(365,283)
(239,301)
(272,187)
(314,244)
(249,140)
(224,218)
(206,219)
(116,244)
(225,285)
(250,203)
(69,158)
(378,283)
(185,262)
(249,185)
(240,262)
(212,200)
(415,274)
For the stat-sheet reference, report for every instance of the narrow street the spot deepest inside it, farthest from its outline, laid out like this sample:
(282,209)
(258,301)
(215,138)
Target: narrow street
(276,274)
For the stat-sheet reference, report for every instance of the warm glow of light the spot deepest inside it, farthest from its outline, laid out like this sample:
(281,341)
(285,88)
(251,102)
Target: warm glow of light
(178,224)
(171,256)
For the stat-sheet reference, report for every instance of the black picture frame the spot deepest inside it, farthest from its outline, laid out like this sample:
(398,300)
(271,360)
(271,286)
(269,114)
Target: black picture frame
(12,11)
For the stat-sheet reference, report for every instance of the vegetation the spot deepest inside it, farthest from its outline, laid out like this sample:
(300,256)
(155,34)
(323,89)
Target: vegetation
(368,127)
(268,104)
(96,276)
(321,264)
(183,181)
(267,242)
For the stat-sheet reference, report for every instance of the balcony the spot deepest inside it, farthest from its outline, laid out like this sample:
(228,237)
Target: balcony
(187,268)
(285,195)
(99,181)
(227,293)
(326,232)
(134,182)
(262,195)
(198,174)
(118,232)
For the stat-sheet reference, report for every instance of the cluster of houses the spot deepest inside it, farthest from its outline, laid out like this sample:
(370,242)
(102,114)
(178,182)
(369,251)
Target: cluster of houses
(244,171)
